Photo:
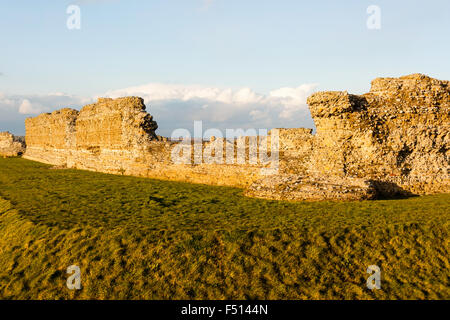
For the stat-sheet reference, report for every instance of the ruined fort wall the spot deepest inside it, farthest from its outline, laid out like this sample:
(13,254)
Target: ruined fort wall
(395,138)
(10,145)
(118,136)
(50,136)
(397,134)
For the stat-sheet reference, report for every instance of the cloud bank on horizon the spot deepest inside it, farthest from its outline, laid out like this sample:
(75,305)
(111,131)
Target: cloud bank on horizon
(178,106)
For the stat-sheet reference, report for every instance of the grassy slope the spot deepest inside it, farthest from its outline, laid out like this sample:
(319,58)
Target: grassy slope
(140,238)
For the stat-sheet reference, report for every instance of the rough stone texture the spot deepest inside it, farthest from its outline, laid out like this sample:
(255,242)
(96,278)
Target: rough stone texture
(296,187)
(295,147)
(50,136)
(295,141)
(118,136)
(394,139)
(10,145)
(397,134)
(115,124)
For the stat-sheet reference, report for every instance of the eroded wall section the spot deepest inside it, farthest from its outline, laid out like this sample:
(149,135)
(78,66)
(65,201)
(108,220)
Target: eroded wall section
(395,138)
(118,136)
(398,134)
(10,145)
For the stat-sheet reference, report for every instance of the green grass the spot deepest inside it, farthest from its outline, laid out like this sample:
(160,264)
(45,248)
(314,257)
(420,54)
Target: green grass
(136,238)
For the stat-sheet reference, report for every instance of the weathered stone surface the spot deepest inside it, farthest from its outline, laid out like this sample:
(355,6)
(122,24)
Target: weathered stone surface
(50,136)
(394,139)
(296,187)
(118,136)
(10,145)
(397,134)
(115,124)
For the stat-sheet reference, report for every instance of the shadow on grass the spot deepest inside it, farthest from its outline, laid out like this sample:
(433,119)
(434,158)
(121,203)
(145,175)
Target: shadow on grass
(391,191)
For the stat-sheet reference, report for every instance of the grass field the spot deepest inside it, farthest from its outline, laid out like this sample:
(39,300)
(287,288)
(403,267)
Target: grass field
(136,238)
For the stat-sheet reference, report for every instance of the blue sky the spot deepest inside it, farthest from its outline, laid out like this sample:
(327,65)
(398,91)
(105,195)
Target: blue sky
(247,63)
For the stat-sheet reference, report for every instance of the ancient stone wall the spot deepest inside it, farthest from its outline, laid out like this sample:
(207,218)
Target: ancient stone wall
(394,139)
(10,145)
(118,136)
(50,136)
(397,134)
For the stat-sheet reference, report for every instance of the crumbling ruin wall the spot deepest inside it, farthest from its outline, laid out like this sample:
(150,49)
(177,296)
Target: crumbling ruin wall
(118,136)
(10,145)
(398,134)
(394,139)
(50,136)
(295,147)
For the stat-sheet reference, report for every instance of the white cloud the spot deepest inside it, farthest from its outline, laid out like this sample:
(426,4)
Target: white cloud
(293,99)
(217,106)
(5,102)
(33,104)
(26,107)
(178,106)
(15,108)
(258,114)
(160,91)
